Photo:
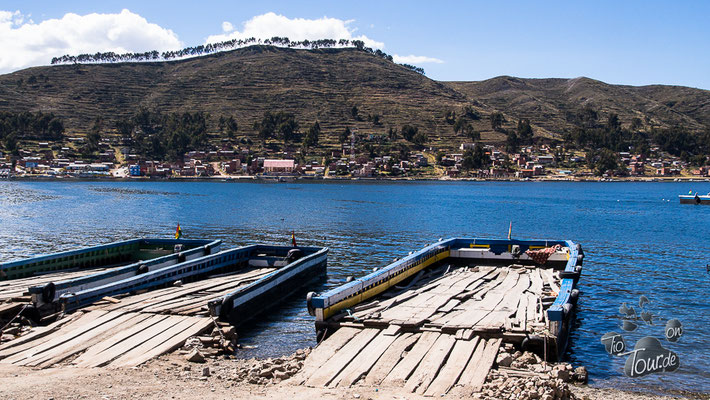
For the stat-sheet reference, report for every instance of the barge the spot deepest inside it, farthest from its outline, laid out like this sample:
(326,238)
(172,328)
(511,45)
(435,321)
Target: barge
(129,321)
(437,317)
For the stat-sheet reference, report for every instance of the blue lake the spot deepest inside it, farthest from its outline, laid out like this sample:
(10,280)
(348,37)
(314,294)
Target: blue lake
(636,243)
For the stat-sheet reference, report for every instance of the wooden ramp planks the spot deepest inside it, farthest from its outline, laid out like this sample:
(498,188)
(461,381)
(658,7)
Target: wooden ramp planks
(173,300)
(321,354)
(433,337)
(427,363)
(104,352)
(484,299)
(167,341)
(473,377)
(323,375)
(129,331)
(364,361)
(390,358)
(449,374)
(430,364)
(118,338)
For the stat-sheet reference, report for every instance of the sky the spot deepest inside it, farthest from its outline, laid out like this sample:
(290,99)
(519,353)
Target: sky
(622,42)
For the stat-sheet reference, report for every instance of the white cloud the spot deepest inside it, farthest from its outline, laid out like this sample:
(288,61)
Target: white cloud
(227,26)
(24,43)
(412,59)
(268,25)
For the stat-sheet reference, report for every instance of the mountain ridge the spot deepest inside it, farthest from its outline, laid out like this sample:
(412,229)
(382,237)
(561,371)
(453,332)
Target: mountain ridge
(325,84)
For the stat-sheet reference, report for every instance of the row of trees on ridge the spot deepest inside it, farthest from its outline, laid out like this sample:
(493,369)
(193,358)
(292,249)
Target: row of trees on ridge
(154,55)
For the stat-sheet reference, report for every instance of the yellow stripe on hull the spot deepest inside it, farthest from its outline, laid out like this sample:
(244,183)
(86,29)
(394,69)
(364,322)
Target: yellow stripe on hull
(374,291)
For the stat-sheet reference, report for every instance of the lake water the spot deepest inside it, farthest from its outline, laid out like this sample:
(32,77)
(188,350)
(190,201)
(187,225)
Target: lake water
(636,243)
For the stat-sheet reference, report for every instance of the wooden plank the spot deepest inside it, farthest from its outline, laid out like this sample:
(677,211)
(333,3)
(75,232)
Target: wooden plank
(399,374)
(465,334)
(175,342)
(521,312)
(201,296)
(438,293)
(476,371)
(449,374)
(536,282)
(324,351)
(390,358)
(340,360)
(450,305)
(531,314)
(96,355)
(441,296)
(508,305)
(166,295)
(385,305)
(392,330)
(429,366)
(478,310)
(547,273)
(10,308)
(164,342)
(140,337)
(37,335)
(467,373)
(364,361)
(90,321)
(82,342)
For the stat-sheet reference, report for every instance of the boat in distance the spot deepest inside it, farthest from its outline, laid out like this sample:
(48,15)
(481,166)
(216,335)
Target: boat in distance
(694,198)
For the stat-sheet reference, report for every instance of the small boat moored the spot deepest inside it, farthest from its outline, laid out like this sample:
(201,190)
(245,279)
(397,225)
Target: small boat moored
(694,198)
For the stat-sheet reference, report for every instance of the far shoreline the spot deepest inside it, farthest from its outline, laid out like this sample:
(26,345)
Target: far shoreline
(308,179)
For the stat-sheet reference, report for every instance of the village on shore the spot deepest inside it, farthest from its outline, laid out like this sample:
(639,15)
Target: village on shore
(535,162)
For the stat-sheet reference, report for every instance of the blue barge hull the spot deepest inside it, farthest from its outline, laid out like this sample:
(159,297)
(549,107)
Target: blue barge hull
(94,257)
(244,303)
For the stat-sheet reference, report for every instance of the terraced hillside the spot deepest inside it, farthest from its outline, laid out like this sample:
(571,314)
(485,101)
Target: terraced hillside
(325,85)
(312,84)
(547,102)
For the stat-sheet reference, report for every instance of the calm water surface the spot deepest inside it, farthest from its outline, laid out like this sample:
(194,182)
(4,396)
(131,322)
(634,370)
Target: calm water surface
(636,243)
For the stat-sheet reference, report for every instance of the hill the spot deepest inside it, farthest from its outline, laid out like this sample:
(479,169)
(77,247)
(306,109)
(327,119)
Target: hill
(324,85)
(551,103)
(313,84)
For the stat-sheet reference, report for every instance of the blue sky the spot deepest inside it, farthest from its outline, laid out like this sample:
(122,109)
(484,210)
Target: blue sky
(627,42)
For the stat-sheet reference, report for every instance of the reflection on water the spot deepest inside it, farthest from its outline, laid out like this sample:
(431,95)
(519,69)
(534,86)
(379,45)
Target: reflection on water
(636,243)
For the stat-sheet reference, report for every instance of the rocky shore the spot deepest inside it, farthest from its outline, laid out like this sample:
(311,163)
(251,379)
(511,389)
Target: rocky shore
(224,377)
(205,367)
(517,375)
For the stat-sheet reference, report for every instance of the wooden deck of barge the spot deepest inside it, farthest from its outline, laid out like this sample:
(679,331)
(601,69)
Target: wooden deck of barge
(440,333)
(127,331)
